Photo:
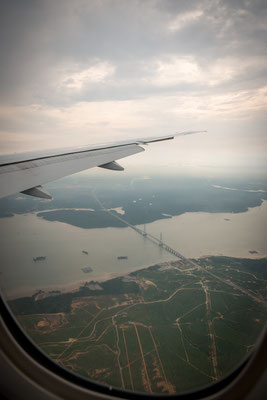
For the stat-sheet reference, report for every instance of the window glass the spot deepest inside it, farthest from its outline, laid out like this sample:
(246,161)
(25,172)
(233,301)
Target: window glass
(148,283)
(151,280)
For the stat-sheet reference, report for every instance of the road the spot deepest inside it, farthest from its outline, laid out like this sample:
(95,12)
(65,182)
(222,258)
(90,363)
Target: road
(177,254)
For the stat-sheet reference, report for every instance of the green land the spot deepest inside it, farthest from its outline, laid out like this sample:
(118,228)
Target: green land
(142,201)
(168,328)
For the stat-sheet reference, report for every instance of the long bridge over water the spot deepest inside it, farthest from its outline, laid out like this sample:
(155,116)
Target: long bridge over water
(142,232)
(155,240)
(193,262)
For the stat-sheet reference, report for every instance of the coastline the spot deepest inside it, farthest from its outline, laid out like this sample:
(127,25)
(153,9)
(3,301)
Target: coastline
(75,286)
(236,238)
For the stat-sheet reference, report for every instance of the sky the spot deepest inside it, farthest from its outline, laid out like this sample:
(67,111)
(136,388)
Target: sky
(76,72)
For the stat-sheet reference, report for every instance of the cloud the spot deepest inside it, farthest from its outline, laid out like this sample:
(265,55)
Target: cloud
(72,77)
(79,72)
(55,46)
(183,20)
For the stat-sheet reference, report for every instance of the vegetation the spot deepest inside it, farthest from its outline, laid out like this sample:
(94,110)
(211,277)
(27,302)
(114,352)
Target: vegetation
(142,203)
(169,328)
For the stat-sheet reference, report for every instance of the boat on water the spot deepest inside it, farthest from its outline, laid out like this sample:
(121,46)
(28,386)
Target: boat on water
(39,258)
(86,270)
(122,257)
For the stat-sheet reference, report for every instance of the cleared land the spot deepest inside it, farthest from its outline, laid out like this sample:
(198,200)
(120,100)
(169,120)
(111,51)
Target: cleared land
(168,328)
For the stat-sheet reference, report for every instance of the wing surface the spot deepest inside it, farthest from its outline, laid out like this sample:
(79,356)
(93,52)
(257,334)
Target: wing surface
(26,172)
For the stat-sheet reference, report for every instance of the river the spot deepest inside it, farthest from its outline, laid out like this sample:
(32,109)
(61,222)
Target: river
(24,237)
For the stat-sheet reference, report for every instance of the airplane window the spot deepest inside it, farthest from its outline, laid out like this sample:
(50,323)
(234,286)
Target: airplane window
(150,281)
(138,282)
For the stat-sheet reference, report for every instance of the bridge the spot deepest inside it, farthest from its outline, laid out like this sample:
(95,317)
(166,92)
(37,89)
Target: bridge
(160,243)
(193,262)
(143,232)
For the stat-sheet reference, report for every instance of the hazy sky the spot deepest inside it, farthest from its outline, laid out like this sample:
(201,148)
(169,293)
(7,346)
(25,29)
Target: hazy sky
(75,72)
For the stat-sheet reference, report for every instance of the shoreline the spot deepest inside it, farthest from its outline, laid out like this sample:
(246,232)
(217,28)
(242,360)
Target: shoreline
(75,286)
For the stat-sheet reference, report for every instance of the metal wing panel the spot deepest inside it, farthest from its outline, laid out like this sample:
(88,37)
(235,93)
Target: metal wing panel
(21,172)
(22,175)
(12,158)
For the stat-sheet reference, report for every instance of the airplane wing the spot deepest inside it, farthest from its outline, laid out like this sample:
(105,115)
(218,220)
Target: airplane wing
(26,172)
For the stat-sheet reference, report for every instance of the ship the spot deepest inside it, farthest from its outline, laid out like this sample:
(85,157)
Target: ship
(86,270)
(39,258)
(122,257)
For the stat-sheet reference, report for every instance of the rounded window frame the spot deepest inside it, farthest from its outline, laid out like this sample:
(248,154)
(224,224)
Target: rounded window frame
(37,367)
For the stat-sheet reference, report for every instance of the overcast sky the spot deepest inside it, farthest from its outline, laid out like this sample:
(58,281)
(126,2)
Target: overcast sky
(76,72)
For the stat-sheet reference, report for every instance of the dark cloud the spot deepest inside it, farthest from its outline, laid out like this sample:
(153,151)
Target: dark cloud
(41,38)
